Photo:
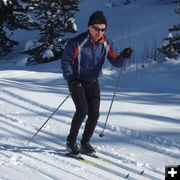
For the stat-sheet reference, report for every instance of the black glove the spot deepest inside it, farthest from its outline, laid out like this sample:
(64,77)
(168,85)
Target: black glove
(126,53)
(75,84)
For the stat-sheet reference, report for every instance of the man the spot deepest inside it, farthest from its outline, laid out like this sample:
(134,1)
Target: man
(82,63)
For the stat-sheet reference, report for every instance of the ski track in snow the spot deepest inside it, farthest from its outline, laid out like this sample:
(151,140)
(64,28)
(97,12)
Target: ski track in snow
(51,161)
(152,143)
(157,144)
(21,130)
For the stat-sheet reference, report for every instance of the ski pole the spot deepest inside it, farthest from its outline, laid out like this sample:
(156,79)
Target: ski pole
(49,118)
(116,87)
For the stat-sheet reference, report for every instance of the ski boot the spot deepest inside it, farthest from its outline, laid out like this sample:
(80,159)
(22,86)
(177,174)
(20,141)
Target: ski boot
(73,150)
(87,149)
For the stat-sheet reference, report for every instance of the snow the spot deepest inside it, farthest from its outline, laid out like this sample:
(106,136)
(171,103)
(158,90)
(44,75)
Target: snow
(143,129)
(48,54)
(22,62)
(72,20)
(5,2)
(29,44)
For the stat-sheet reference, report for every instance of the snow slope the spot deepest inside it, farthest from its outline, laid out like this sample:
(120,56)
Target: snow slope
(143,130)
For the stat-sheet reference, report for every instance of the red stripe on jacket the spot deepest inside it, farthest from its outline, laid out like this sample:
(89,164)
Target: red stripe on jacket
(112,54)
(75,54)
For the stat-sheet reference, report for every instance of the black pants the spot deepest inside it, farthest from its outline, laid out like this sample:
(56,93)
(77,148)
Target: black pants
(87,102)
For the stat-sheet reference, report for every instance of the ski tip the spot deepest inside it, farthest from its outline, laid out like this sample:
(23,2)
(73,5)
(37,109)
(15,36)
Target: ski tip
(141,172)
(127,176)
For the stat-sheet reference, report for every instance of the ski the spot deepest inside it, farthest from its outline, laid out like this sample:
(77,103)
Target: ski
(82,158)
(115,163)
(119,165)
(104,168)
(96,165)
(141,172)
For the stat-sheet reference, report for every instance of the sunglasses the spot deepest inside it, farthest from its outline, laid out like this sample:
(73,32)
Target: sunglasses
(98,29)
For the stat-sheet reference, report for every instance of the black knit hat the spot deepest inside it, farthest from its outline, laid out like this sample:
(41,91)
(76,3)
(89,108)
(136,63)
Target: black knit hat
(97,18)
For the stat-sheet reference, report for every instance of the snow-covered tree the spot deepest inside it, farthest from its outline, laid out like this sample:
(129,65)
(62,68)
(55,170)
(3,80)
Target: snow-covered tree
(6,44)
(171,44)
(55,18)
(12,16)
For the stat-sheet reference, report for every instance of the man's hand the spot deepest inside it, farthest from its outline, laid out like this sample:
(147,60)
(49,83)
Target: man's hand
(75,84)
(126,53)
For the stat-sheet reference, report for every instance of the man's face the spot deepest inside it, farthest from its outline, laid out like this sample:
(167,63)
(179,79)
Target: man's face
(97,31)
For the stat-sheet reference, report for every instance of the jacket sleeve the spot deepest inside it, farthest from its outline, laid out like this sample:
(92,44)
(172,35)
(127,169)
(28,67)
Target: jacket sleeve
(67,59)
(113,56)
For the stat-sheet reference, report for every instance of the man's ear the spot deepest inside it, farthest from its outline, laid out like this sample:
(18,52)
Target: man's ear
(88,27)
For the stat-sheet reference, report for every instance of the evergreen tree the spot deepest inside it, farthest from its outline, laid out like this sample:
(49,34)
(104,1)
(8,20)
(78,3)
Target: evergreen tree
(55,19)
(171,44)
(12,16)
(6,15)
(6,44)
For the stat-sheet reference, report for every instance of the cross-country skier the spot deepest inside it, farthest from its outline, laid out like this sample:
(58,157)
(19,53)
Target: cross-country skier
(82,63)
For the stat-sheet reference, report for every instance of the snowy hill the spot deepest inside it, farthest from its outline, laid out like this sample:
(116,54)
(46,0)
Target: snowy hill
(143,131)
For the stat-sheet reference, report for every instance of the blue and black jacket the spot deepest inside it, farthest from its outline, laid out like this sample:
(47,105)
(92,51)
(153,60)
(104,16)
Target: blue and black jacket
(83,60)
